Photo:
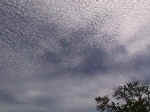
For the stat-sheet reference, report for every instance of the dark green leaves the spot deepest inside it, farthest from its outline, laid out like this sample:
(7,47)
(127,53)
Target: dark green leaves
(131,97)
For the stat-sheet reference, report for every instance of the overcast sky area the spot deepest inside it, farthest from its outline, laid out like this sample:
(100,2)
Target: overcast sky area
(58,55)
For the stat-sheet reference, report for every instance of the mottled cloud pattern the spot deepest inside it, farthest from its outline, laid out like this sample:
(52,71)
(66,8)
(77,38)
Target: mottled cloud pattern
(57,55)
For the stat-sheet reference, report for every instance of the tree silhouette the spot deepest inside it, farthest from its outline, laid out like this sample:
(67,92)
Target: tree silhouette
(131,97)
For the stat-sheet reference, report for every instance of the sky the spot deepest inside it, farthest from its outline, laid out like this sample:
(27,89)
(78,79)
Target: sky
(58,55)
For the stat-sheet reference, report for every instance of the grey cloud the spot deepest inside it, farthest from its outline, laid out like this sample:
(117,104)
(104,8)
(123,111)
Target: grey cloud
(88,65)
(7,97)
(35,53)
(49,65)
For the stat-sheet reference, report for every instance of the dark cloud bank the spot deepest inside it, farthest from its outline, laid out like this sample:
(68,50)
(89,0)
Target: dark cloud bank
(53,61)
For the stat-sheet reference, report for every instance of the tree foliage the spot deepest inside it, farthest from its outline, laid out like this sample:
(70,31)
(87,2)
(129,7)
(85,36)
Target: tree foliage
(130,97)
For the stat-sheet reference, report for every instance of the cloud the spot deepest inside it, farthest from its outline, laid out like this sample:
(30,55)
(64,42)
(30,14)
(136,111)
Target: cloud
(57,56)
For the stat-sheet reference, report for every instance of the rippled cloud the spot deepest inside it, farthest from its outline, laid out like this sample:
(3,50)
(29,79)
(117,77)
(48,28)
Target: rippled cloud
(57,55)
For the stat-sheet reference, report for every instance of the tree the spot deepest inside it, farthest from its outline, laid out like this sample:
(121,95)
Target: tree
(131,97)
